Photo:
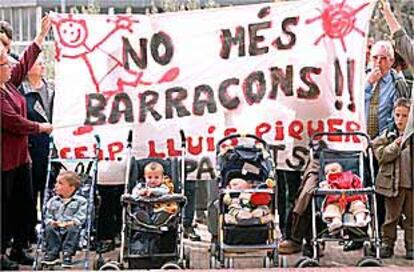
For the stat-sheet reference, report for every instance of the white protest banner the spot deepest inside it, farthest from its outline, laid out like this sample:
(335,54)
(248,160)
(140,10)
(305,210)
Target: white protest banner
(281,71)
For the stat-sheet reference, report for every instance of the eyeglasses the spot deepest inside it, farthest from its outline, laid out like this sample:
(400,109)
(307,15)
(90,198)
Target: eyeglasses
(380,58)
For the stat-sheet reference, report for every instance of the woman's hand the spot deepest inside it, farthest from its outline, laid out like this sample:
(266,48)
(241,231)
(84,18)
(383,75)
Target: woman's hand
(45,25)
(45,128)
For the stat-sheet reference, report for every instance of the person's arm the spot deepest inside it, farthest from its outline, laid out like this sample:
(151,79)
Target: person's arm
(49,216)
(80,215)
(45,25)
(386,151)
(14,122)
(368,91)
(389,16)
(159,191)
(30,55)
(403,44)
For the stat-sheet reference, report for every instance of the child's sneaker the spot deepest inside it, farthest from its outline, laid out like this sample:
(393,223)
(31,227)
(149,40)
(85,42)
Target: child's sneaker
(67,260)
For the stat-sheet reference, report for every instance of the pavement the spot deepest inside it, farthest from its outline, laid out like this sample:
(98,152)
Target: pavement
(334,259)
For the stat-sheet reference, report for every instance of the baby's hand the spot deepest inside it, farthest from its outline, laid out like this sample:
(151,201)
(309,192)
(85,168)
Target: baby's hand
(54,223)
(149,192)
(142,192)
(67,224)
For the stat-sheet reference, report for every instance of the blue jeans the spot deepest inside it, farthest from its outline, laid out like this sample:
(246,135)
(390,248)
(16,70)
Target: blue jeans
(58,238)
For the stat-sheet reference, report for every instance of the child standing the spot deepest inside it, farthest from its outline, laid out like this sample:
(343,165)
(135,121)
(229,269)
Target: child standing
(395,180)
(65,215)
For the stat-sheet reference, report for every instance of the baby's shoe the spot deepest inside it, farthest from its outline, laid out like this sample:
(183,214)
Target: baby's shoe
(362,219)
(336,224)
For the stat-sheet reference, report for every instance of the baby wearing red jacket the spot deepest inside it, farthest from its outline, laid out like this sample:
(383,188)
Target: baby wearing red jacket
(335,205)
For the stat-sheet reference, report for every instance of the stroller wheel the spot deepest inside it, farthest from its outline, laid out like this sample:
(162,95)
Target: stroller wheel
(213,260)
(110,266)
(369,261)
(275,258)
(98,262)
(267,262)
(228,262)
(301,259)
(171,265)
(308,263)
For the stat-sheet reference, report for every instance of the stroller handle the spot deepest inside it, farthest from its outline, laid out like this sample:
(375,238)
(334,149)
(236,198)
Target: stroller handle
(129,139)
(238,135)
(182,136)
(337,133)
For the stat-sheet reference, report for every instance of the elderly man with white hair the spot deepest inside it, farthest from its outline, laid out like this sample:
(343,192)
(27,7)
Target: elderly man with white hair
(382,88)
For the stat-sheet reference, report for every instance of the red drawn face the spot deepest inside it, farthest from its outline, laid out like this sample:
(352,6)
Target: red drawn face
(72,32)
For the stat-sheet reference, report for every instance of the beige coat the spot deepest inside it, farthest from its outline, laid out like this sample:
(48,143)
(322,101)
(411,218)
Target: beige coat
(388,154)
(307,187)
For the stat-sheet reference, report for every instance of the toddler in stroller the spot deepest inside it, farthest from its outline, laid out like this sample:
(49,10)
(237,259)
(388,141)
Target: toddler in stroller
(247,208)
(241,219)
(335,205)
(65,214)
(156,185)
(152,231)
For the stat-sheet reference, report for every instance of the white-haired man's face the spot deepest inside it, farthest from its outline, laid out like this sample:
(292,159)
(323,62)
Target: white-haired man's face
(381,58)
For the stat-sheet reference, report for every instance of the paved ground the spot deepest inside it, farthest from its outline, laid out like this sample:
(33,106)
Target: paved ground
(334,258)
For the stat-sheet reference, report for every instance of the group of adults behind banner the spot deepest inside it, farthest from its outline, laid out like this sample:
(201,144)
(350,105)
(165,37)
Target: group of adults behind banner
(27,106)
(384,86)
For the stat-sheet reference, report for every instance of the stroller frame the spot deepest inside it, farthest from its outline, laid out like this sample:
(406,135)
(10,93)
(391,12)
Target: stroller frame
(374,239)
(179,252)
(225,253)
(92,163)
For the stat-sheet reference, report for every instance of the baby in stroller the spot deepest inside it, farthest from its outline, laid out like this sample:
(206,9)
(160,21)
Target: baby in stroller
(156,185)
(336,205)
(64,217)
(153,208)
(247,208)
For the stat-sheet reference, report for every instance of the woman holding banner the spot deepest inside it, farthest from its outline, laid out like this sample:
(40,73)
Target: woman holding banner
(16,188)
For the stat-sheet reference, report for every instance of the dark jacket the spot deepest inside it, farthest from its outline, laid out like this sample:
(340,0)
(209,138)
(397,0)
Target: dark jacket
(38,143)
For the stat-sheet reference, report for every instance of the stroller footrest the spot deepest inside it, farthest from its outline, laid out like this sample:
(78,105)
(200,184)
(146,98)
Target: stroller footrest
(243,248)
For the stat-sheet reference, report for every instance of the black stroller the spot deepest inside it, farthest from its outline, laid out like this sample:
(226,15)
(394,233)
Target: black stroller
(87,169)
(360,162)
(145,245)
(252,237)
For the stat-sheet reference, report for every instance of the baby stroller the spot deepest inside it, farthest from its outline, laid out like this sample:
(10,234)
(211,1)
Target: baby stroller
(360,162)
(87,169)
(145,245)
(245,238)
